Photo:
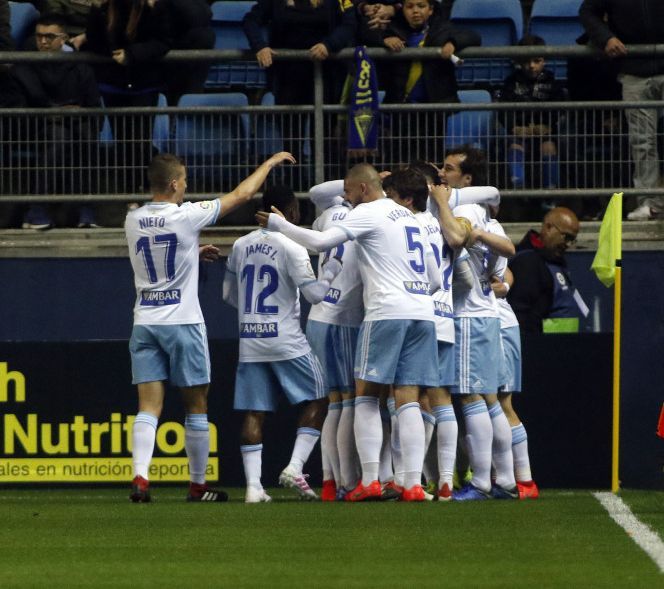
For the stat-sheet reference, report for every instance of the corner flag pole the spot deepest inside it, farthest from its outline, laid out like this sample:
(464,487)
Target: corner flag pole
(617,306)
(607,266)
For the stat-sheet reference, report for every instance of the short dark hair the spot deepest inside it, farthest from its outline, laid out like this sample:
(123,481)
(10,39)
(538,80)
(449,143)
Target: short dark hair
(52,19)
(474,163)
(409,182)
(427,169)
(531,41)
(163,169)
(279,196)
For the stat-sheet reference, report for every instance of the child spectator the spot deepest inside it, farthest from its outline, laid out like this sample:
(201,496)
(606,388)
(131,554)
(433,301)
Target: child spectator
(531,131)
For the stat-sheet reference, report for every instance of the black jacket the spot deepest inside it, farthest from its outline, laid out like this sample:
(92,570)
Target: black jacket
(438,74)
(300,29)
(634,22)
(153,39)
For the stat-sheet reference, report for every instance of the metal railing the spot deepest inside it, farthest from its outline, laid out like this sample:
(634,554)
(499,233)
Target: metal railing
(101,154)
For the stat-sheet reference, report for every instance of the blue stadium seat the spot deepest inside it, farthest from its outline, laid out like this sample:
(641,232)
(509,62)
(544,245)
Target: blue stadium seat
(474,96)
(21,20)
(558,24)
(161,129)
(267,137)
(227,24)
(472,127)
(215,146)
(499,23)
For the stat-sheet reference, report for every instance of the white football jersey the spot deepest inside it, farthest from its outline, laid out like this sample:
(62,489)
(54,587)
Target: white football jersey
(163,250)
(442,299)
(497,266)
(482,195)
(269,270)
(391,250)
(479,301)
(343,303)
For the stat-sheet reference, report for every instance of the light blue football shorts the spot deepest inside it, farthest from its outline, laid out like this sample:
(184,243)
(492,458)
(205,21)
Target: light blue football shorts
(478,355)
(178,353)
(446,365)
(510,338)
(257,384)
(334,346)
(397,351)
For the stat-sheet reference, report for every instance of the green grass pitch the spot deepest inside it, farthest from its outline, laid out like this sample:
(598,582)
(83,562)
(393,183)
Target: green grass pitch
(97,538)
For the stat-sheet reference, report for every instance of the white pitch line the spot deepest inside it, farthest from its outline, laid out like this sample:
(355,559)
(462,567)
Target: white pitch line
(644,537)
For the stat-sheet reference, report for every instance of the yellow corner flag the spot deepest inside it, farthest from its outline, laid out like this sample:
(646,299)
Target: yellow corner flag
(609,246)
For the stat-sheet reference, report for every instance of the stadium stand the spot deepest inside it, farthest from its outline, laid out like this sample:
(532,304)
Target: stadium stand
(227,24)
(22,20)
(558,24)
(499,22)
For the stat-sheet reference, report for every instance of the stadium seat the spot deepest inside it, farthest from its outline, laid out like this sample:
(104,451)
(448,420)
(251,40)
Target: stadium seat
(267,137)
(227,24)
(161,129)
(470,127)
(208,141)
(558,24)
(499,23)
(474,96)
(21,20)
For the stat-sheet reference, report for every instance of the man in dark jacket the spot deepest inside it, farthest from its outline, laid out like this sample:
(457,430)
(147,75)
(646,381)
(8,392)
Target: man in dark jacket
(634,22)
(543,296)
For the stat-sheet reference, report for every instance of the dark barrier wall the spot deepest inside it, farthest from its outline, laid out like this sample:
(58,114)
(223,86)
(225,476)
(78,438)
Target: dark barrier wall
(568,382)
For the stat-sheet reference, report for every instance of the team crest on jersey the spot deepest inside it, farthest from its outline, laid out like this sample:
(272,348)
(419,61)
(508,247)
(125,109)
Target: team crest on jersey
(416,286)
(258,330)
(205,204)
(560,277)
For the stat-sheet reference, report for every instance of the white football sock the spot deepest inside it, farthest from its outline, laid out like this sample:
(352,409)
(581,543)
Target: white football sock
(252,459)
(304,444)
(479,436)
(368,436)
(197,445)
(520,454)
(328,443)
(349,467)
(397,461)
(411,439)
(143,435)
(447,434)
(502,447)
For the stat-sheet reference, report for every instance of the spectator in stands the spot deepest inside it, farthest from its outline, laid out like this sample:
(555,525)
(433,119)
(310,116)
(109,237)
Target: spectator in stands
(543,296)
(136,35)
(641,79)
(420,24)
(61,143)
(321,26)
(192,29)
(532,132)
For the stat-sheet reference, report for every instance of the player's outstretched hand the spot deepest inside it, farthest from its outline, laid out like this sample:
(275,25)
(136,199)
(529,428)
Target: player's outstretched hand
(209,253)
(263,217)
(280,158)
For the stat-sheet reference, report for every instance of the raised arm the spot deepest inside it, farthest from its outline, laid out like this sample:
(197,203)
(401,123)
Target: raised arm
(317,241)
(327,194)
(454,232)
(499,245)
(246,189)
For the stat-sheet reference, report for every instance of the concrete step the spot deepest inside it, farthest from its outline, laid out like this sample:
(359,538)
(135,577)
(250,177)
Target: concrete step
(110,242)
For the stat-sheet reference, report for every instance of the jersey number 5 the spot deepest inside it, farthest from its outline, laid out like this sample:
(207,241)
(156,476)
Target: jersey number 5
(415,245)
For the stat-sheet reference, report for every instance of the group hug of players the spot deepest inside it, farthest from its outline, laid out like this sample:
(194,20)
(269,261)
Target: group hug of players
(408,314)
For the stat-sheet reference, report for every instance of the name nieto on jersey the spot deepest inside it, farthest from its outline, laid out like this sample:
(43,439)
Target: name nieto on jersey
(261,248)
(259,330)
(159,298)
(145,222)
